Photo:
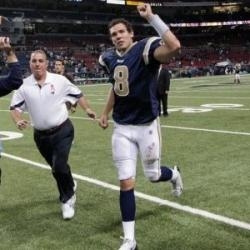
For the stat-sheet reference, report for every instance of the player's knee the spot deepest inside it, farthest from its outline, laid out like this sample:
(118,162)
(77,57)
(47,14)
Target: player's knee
(126,169)
(151,170)
(153,177)
(125,174)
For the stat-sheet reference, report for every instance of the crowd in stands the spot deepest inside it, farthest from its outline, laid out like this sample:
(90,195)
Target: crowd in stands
(77,33)
(80,61)
(81,57)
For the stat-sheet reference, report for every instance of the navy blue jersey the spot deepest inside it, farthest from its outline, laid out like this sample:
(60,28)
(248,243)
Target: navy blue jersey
(12,81)
(134,76)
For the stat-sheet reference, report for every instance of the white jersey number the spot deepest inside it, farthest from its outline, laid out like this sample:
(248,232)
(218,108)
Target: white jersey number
(121,86)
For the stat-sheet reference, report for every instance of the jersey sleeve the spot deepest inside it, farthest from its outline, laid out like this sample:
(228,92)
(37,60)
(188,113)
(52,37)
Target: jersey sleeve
(102,62)
(151,45)
(13,80)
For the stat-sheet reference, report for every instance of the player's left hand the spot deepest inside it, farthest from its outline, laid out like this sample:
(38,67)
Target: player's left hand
(145,10)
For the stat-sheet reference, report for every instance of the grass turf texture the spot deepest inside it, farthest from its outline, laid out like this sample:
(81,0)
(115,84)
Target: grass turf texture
(214,165)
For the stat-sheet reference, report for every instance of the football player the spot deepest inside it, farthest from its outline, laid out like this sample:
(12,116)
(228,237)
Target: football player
(237,73)
(14,79)
(133,67)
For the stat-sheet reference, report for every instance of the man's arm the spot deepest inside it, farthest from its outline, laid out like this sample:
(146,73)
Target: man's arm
(83,103)
(74,95)
(14,79)
(18,120)
(171,44)
(17,107)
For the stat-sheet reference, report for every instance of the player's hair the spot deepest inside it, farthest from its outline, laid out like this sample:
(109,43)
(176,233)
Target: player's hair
(127,24)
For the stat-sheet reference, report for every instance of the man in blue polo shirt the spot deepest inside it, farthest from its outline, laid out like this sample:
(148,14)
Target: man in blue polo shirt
(14,78)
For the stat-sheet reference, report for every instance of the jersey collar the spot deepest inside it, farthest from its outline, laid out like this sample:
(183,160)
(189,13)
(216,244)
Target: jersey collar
(126,51)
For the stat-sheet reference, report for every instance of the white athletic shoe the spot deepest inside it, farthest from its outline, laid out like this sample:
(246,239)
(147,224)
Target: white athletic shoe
(176,182)
(68,208)
(128,245)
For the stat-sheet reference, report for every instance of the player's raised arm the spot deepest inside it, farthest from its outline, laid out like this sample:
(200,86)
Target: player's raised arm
(14,79)
(171,44)
(5,45)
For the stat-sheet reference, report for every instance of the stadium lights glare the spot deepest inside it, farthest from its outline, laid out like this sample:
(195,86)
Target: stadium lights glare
(207,24)
(230,3)
(122,2)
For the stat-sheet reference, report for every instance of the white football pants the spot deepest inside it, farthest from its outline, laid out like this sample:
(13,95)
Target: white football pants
(128,141)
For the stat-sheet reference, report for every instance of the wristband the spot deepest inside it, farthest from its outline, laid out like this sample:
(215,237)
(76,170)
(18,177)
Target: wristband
(156,22)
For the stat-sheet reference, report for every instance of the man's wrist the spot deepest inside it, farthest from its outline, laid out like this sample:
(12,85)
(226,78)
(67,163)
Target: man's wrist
(157,23)
(9,51)
(19,123)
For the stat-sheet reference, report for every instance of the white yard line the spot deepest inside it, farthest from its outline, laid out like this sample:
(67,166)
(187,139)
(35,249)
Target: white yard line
(180,127)
(177,127)
(157,200)
(207,130)
(185,128)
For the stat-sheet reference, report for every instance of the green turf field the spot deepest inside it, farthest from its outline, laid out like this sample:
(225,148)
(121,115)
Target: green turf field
(207,134)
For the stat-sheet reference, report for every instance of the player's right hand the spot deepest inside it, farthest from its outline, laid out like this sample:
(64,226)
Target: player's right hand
(4,42)
(103,121)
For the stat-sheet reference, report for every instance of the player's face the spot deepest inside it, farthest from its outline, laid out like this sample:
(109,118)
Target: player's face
(59,67)
(121,38)
(38,65)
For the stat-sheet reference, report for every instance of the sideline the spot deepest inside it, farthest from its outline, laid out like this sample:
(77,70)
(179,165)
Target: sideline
(188,209)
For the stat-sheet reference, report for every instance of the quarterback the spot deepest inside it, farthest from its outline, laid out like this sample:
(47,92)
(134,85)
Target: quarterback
(133,68)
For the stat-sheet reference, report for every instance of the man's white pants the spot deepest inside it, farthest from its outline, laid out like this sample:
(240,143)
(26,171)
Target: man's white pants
(130,140)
